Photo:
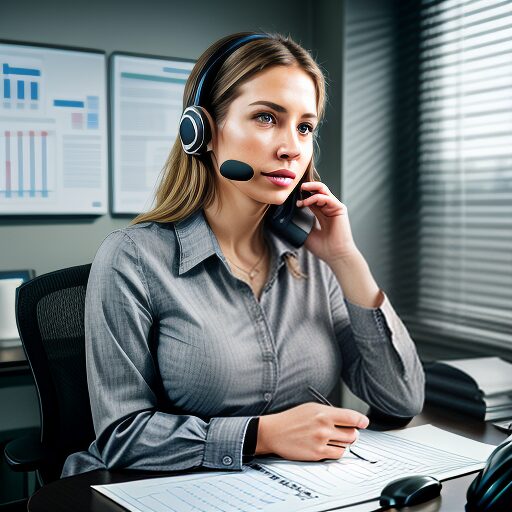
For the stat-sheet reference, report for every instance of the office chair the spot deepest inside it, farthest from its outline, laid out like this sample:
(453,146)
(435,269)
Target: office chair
(50,319)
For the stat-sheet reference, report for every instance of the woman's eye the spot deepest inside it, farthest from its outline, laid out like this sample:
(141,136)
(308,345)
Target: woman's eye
(265,118)
(308,128)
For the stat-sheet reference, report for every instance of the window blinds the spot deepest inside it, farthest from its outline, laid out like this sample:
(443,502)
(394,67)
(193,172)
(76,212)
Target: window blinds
(464,181)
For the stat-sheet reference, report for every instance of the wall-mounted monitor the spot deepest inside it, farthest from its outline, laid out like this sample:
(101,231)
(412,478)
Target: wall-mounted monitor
(10,280)
(53,130)
(146,105)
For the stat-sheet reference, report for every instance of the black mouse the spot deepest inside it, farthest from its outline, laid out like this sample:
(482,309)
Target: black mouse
(409,490)
(492,488)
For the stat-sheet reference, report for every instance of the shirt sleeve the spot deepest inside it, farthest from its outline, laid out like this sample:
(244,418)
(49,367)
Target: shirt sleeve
(380,362)
(132,430)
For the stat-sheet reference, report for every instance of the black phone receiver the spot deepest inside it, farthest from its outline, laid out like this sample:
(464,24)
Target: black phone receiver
(287,221)
(290,222)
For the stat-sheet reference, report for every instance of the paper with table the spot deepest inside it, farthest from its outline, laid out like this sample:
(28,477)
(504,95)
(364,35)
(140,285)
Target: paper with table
(273,484)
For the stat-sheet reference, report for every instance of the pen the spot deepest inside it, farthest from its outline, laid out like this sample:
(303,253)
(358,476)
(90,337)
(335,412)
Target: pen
(324,401)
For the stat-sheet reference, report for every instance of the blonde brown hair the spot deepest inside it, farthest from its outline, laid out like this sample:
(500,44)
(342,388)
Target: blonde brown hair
(187,183)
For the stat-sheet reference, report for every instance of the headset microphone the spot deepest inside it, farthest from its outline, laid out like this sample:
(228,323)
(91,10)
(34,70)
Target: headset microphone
(236,170)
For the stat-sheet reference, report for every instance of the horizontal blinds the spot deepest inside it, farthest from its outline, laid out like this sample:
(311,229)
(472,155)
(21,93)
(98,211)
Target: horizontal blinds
(464,183)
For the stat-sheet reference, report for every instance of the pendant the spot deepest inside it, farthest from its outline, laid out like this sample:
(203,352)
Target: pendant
(253,273)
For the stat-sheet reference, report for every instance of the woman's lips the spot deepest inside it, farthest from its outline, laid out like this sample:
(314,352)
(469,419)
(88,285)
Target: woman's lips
(280,182)
(281,177)
(285,173)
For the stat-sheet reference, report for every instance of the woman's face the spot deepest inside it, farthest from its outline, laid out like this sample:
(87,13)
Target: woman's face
(269,126)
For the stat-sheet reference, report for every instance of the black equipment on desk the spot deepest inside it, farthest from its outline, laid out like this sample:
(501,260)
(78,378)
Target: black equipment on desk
(410,490)
(491,490)
(480,387)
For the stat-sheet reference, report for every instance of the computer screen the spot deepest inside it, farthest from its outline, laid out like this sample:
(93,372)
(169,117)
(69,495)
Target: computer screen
(53,130)
(9,282)
(146,106)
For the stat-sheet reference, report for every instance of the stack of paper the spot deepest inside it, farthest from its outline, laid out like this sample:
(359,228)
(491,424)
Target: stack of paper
(480,387)
(277,485)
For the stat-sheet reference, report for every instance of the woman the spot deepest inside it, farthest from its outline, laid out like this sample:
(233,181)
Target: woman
(204,329)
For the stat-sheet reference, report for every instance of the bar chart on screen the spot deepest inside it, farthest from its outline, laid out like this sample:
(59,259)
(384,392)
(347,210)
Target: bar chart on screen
(21,85)
(53,131)
(28,158)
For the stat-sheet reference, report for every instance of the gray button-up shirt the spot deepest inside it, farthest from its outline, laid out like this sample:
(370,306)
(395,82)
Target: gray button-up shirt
(181,354)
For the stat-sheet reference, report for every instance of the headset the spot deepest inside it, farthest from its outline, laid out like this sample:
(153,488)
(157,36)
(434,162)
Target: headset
(195,131)
(287,221)
(492,488)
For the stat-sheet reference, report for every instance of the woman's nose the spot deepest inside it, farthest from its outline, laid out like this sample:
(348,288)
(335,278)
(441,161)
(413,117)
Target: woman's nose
(289,148)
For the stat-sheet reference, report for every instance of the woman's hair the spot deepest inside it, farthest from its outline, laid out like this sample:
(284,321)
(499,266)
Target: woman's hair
(187,183)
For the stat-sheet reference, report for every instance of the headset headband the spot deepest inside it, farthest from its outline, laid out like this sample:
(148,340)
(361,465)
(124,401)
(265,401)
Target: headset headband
(215,62)
(195,130)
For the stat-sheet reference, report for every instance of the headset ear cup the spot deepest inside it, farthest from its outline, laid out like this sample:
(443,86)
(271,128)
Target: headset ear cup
(195,130)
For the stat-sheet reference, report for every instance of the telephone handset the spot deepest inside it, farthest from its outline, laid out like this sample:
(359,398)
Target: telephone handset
(287,221)
(290,222)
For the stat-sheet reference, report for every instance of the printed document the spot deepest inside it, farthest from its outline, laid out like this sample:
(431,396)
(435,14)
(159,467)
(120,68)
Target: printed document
(277,485)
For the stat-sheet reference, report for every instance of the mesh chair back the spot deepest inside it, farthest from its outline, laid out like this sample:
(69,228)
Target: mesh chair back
(50,316)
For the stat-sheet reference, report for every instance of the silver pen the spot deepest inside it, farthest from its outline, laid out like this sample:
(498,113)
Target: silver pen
(324,401)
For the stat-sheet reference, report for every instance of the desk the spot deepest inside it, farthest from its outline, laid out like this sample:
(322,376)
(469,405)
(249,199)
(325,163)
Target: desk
(13,360)
(74,493)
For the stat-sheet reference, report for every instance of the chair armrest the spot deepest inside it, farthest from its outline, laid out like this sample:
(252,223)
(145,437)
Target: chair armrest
(25,453)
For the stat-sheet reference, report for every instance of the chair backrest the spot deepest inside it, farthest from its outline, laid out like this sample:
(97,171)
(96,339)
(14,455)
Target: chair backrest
(50,318)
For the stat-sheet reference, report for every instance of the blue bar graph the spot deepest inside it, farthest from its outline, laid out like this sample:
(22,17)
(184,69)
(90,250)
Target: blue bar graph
(68,103)
(93,102)
(21,90)
(177,70)
(33,90)
(32,165)
(27,173)
(92,120)
(7,164)
(93,106)
(8,70)
(20,164)
(7,88)
(18,79)
(153,78)
(44,169)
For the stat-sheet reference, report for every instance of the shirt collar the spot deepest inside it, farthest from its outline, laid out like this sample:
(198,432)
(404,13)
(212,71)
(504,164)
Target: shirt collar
(197,242)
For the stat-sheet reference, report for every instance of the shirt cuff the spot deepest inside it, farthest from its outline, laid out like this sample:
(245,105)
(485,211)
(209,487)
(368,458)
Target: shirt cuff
(224,442)
(251,440)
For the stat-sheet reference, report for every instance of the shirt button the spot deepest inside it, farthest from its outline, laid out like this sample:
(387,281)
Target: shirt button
(267,397)
(227,460)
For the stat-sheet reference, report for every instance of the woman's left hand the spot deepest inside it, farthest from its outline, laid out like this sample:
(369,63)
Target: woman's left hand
(333,240)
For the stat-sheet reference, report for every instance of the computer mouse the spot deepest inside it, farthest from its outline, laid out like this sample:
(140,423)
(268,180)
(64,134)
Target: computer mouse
(492,488)
(409,490)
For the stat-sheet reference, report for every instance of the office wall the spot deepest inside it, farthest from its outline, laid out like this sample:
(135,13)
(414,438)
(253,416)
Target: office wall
(159,27)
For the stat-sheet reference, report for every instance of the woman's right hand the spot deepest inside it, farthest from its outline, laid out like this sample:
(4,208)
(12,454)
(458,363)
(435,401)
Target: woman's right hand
(309,432)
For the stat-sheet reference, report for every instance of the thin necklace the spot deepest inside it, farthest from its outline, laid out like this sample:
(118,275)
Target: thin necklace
(254,271)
